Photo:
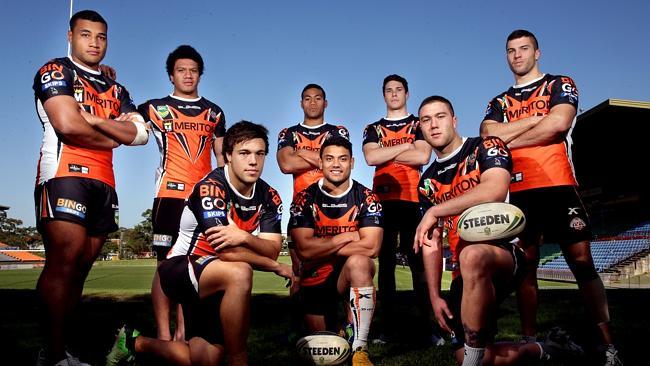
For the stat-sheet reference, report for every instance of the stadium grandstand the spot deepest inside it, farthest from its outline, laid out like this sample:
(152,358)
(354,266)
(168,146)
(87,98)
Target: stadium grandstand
(607,155)
(13,257)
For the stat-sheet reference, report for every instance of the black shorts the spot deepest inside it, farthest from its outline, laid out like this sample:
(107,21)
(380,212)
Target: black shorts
(165,219)
(502,289)
(88,202)
(401,219)
(323,298)
(179,279)
(556,213)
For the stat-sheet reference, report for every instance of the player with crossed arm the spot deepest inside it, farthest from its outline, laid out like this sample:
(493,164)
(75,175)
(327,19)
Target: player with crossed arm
(469,171)
(187,127)
(534,117)
(85,115)
(230,225)
(336,225)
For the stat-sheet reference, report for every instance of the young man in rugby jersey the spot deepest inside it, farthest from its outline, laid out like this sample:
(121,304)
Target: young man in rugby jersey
(476,170)
(187,128)
(534,117)
(230,225)
(298,153)
(394,146)
(336,226)
(85,115)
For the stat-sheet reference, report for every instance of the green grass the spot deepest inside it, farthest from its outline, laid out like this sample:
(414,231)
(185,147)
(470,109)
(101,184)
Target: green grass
(118,292)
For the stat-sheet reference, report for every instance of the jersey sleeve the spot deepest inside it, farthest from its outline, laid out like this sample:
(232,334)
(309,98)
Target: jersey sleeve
(220,131)
(424,189)
(126,103)
(494,111)
(493,153)
(143,109)
(284,139)
(343,132)
(370,134)
(208,203)
(53,79)
(370,211)
(563,91)
(271,218)
(418,130)
(301,211)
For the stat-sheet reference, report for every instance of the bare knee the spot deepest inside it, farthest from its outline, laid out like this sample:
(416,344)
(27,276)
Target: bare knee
(474,263)
(360,266)
(240,275)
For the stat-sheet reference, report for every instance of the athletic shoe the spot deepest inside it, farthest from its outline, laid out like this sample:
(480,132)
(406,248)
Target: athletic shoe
(360,357)
(70,360)
(436,340)
(382,340)
(558,345)
(123,348)
(611,356)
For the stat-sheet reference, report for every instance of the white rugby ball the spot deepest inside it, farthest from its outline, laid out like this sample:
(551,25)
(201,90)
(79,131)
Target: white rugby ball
(323,348)
(490,221)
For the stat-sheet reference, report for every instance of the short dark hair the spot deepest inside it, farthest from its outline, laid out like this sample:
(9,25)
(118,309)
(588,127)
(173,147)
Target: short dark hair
(312,86)
(184,51)
(336,140)
(520,33)
(437,98)
(91,15)
(395,77)
(244,131)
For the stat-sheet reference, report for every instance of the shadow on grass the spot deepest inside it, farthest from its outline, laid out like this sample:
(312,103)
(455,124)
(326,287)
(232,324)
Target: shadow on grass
(100,315)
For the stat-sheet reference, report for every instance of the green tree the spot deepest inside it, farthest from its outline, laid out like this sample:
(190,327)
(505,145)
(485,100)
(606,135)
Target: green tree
(138,239)
(13,233)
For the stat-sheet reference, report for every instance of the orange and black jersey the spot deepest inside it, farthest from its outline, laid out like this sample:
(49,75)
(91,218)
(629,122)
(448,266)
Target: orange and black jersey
(458,173)
(537,166)
(96,94)
(212,200)
(395,181)
(328,215)
(310,138)
(185,130)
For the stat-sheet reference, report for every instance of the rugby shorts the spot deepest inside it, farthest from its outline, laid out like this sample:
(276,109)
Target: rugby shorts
(88,202)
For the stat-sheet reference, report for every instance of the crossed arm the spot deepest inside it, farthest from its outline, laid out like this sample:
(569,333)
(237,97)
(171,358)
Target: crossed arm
(533,131)
(366,241)
(417,153)
(293,161)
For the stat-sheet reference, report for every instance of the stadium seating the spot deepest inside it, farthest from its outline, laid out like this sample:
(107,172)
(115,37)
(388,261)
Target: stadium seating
(21,256)
(606,254)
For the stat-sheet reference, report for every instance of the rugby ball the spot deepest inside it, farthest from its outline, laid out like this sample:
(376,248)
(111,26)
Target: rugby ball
(490,221)
(323,348)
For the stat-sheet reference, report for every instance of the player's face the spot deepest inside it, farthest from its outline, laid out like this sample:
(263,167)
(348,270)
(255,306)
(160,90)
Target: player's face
(313,103)
(88,42)
(395,95)
(522,55)
(185,76)
(438,125)
(246,162)
(336,164)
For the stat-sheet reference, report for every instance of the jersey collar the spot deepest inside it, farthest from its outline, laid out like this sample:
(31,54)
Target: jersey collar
(528,83)
(320,186)
(313,127)
(398,118)
(186,99)
(454,153)
(84,68)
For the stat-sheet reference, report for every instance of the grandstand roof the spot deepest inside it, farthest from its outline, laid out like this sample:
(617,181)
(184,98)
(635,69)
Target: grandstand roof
(22,256)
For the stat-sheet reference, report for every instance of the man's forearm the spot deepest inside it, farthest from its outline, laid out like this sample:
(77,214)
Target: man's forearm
(380,155)
(508,131)
(239,254)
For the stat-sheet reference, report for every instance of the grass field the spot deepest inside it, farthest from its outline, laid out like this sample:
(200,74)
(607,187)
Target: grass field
(118,292)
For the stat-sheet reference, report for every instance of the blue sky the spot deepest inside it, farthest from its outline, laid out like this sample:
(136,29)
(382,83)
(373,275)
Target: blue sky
(259,55)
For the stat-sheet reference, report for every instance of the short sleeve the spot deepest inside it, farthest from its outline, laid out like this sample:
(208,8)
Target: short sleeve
(271,218)
(370,134)
(284,139)
(301,211)
(493,153)
(208,203)
(563,91)
(53,79)
(370,211)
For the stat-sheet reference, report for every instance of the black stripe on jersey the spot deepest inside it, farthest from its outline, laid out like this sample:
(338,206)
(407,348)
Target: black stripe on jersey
(195,238)
(183,141)
(203,140)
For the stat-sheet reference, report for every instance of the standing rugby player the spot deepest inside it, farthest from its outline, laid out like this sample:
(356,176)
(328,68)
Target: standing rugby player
(187,127)
(85,115)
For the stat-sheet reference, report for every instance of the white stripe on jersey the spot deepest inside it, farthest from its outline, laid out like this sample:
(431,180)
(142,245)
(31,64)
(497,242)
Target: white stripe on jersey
(48,164)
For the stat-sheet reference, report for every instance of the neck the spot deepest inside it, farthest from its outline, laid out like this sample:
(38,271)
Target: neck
(450,147)
(336,189)
(396,113)
(243,188)
(180,94)
(313,121)
(530,76)
(77,60)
